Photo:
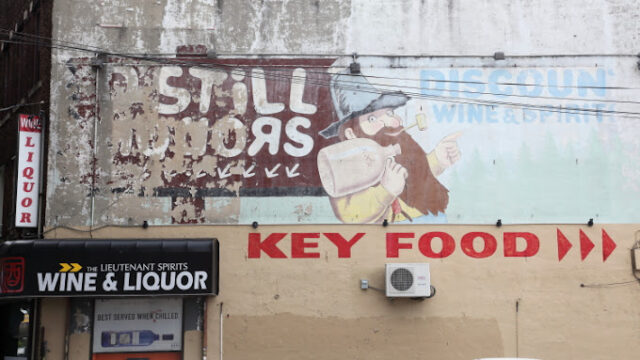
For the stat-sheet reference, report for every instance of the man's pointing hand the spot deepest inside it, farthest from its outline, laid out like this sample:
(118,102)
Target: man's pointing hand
(447,152)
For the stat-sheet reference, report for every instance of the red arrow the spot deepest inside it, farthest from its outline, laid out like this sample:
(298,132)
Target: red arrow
(607,245)
(586,245)
(563,245)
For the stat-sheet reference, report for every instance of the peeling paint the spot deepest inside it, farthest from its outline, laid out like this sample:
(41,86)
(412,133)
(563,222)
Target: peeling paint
(143,151)
(178,131)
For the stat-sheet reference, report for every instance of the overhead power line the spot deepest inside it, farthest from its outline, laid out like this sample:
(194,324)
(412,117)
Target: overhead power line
(21,105)
(403,55)
(82,47)
(346,84)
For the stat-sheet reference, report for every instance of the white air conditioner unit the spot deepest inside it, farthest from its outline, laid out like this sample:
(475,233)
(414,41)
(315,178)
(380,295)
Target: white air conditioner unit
(408,280)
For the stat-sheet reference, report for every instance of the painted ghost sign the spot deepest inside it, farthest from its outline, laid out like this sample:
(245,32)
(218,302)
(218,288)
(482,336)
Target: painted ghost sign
(567,156)
(242,130)
(389,177)
(304,141)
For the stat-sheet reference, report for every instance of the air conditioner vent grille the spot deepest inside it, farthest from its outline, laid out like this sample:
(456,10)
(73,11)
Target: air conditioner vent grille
(401,279)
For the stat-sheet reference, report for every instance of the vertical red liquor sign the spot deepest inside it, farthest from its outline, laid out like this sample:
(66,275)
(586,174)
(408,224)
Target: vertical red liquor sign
(30,130)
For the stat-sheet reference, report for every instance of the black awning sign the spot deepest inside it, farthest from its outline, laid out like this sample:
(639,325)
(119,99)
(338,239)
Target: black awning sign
(108,267)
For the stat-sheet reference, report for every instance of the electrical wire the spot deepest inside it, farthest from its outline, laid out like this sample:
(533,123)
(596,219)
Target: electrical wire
(422,55)
(22,105)
(82,47)
(392,87)
(97,49)
(28,39)
(502,83)
(609,284)
(232,69)
(554,109)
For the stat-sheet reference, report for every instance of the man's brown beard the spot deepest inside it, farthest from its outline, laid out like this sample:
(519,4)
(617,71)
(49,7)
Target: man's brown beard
(423,191)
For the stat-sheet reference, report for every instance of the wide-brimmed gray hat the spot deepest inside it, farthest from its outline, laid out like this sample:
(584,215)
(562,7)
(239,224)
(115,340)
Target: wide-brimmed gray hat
(353,96)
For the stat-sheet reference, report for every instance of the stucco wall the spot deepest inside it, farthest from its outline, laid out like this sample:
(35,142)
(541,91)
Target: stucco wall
(274,308)
(53,325)
(100,114)
(194,144)
(542,306)
(369,27)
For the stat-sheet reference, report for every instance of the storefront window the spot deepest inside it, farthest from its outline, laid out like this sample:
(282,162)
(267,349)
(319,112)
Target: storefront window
(15,330)
(140,328)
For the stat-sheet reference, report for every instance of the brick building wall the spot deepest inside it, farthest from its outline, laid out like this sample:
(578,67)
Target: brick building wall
(25,79)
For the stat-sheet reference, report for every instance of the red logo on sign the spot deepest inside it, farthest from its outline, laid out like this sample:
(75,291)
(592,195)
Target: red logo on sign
(30,123)
(11,275)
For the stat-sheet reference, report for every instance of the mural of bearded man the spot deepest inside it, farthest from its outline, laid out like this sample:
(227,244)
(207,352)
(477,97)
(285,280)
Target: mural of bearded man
(408,190)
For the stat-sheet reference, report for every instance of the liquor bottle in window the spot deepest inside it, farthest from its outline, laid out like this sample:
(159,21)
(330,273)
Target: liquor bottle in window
(132,338)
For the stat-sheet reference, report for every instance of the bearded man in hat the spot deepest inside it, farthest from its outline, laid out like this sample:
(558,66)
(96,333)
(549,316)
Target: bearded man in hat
(408,190)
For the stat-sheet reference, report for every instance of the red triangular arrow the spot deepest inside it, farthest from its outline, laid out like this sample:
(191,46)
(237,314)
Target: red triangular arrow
(607,245)
(563,245)
(586,245)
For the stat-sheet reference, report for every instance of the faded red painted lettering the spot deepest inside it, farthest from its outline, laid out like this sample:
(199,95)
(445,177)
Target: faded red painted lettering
(448,244)
(511,246)
(344,246)
(394,245)
(298,245)
(268,245)
(30,156)
(489,248)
